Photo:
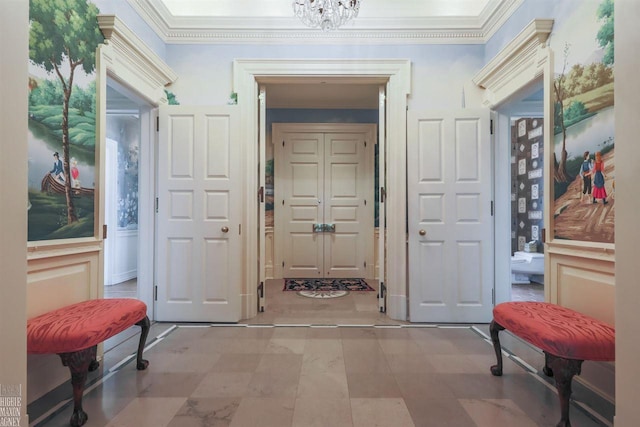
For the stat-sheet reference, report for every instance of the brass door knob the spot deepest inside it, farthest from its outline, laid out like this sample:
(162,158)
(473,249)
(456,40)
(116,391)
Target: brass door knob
(225,229)
(422,233)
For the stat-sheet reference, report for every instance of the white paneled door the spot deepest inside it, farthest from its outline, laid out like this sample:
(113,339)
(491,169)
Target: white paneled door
(198,268)
(324,202)
(450,229)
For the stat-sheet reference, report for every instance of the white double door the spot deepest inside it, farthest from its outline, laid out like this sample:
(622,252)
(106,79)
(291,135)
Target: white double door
(324,200)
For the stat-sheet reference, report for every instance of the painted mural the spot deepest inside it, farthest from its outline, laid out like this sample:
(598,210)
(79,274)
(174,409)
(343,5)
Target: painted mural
(62,119)
(584,166)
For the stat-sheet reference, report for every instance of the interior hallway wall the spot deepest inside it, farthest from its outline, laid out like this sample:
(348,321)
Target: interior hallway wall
(627,90)
(206,71)
(14,51)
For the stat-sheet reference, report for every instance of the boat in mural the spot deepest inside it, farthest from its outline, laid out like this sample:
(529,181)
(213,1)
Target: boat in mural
(51,185)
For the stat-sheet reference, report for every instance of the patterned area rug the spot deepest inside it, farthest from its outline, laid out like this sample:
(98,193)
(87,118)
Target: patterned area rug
(325,288)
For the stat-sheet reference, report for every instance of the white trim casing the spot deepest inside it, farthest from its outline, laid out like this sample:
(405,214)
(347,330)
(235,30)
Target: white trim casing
(517,65)
(131,61)
(397,73)
(126,59)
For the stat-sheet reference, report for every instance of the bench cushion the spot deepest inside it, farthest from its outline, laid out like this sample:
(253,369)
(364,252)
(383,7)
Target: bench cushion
(82,325)
(558,330)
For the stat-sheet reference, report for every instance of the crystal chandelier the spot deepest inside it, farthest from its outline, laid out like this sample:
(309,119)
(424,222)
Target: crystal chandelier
(326,14)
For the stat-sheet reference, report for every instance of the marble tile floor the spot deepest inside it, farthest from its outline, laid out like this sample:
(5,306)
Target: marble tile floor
(271,371)
(212,375)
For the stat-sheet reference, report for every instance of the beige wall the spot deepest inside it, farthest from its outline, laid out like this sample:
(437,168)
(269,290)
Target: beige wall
(627,92)
(14,15)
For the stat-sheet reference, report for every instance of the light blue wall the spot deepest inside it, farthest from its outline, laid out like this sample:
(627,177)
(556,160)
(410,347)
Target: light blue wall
(123,10)
(439,72)
(574,21)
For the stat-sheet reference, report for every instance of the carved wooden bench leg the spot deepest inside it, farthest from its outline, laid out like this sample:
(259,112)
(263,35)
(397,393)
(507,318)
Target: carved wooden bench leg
(564,371)
(145,324)
(78,363)
(494,329)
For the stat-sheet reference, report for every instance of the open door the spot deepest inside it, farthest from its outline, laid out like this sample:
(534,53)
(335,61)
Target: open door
(450,216)
(199,209)
(262,184)
(382,228)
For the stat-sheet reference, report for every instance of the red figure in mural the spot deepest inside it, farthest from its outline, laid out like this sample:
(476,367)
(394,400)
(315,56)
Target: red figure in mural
(599,191)
(75,173)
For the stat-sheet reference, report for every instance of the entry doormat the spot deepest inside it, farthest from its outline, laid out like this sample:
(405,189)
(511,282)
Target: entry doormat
(326,285)
(325,288)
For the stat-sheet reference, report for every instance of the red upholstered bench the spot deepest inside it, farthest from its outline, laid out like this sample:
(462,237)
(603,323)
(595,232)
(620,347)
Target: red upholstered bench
(566,337)
(73,332)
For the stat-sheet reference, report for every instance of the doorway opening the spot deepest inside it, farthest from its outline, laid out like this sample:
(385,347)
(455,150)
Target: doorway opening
(334,129)
(525,141)
(123,130)
(395,75)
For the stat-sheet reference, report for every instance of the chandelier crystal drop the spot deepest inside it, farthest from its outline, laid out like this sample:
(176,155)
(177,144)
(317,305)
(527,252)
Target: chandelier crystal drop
(326,14)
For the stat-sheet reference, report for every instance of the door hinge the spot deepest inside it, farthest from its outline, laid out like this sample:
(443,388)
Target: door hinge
(282,264)
(491,126)
(155,293)
(157,124)
(492,208)
(383,194)
(283,142)
(261,194)
(493,296)
(365,143)
(104,231)
(239,229)
(365,264)
(544,235)
(157,203)
(365,202)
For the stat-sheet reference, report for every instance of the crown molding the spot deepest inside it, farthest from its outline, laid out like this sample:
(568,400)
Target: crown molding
(517,64)
(288,30)
(124,47)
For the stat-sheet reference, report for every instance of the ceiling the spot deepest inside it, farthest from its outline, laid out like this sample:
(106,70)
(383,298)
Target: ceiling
(282,8)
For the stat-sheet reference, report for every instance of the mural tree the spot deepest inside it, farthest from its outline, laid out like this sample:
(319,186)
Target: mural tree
(605,34)
(63,37)
(560,167)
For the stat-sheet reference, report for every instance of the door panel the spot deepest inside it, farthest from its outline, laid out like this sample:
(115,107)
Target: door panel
(347,190)
(300,184)
(450,218)
(198,271)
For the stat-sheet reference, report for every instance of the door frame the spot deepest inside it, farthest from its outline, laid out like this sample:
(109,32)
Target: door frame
(370,129)
(126,60)
(522,63)
(396,74)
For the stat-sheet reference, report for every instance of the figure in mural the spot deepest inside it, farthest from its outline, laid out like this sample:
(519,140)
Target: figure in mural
(599,191)
(57,172)
(586,169)
(75,173)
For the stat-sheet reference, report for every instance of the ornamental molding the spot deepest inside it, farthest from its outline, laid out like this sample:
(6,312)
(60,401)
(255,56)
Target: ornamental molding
(521,62)
(127,53)
(288,30)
